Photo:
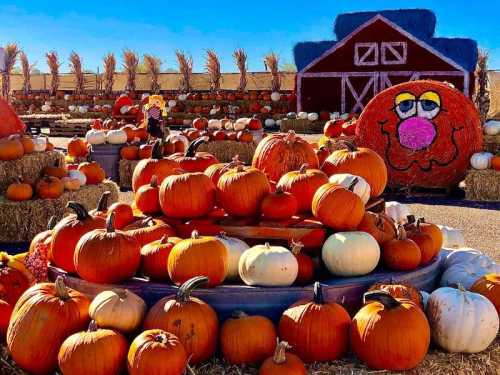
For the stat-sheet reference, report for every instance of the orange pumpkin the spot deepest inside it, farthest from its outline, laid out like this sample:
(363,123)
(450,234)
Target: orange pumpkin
(44,237)
(400,290)
(55,171)
(77,147)
(11,149)
(149,230)
(303,184)
(244,136)
(278,154)
(361,162)
(14,278)
(433,231)
(489,286)
(337,207)
(147,198)
(195,256)
(379,225)
(28,145)
(303,325)
(305,272)
(145,151)
(49,187)
(425,244)
(129,152)
(193,321)
(107,255)
(322,153)
(5,314)
(241,190)
(102,206)
(495,163)
(130,130)
(154,258)
(193,161)
(278,205)
(93,172)
(124,215)
(19,191)
(283,363)
(401,253)
(247,339)
(31,343)
(200,123)
(216,170)
(220,135)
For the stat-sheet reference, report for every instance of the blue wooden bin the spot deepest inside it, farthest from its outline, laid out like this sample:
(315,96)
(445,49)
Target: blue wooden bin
(108,157)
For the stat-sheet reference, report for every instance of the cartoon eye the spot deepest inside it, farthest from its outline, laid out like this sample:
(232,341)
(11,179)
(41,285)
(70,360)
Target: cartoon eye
(405,105)
(429,105)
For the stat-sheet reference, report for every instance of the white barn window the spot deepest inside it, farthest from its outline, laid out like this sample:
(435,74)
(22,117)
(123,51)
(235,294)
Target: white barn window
(394,53)
(366,54)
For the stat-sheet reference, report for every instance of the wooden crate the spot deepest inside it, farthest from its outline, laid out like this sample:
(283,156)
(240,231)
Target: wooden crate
(70,128)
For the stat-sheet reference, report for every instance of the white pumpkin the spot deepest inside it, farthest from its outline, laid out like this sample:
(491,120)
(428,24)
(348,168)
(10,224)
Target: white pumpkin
(467,273)
(235,247)
(462,321)
(466,255)
(172,103)
(116,137)
(350,253)
(83,109)
(267,265)
(172,138)
(213,111)
(269,123)
(361,189)
(72,108)
(313,116)
(425,298)
(97,108)
(39,144)
(398,212)
(46,108)
(214,124)
(291,115)
(492,127)
(74,173)
(241,124)
(275,96)
(67,97)
(334,116)
(302,115)
(182,97)
(481,160)
(95,137)
(70,183)
(452,238)
(118,309)
(229,125)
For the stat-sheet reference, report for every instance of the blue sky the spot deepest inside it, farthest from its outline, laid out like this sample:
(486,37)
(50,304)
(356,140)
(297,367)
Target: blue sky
(93,28)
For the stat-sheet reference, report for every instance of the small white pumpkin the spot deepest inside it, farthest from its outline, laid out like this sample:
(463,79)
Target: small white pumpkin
(67,97)
(291,115)
(118,309)
(267,265)
(334,116)
(492,127)
(172,103)
(39,144)
(481,160)
(97,108)
(70,183)
(302,115)
(116,137)
(214,124)
(313,116)
(229,125)
(467,273)
(452,238)
(235,247)
(350,253)
(398,212)
(241,124)
(95,137)
(466,255)
(182,97)
(361,188)
(425,298)
(72,108)
(213,111)
(46,108)
(275,96)
(83,109)
(74,173)
(462,321)
(269,123)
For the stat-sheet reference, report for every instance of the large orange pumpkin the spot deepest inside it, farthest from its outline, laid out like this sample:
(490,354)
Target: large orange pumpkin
(278,154)
(247,339)
(93,172)
(188,195)
(361,162)
(241,190)
(149,230)
(192,161)
(77,147)
(401,253)
(154,258)
(14,278)
(68,232)
(337,207)
(107,255)
(389,334)
(193,321)
(147,198)
(489,286)
(155,166)
(11,149)
(34,342)
(379,225)
(283,363)
(316,330)
(303,184)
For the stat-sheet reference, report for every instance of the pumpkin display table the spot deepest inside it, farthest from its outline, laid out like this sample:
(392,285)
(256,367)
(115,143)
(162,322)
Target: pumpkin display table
(21,221)
(270,302)
(70,127)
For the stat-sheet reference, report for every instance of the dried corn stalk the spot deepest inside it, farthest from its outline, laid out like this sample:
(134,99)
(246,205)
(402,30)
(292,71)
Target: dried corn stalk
(186,70)
(212,65)
(482,97)
(53,63)
(153,65)
(271,62)
(26,68)
(130,64)
(240,57)
(11,52)
(75,64)
(109,73)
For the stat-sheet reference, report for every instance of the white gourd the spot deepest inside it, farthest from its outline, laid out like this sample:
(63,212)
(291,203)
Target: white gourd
(235,247)
(481,160)
(74,173)
(313,116)
(452,238)
(492,127)
(302,115)
(466,255)
(269,123)
(95,137)
(398,212)
(116,137)
(172,103)
(361,189)
(214,124)
(240,124)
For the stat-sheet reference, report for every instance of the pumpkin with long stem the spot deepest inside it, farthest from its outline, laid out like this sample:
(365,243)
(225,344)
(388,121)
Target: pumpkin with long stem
(278,205)
(154,258)
(193,321)
(306,266)
(147,198)
(68,232)
(193,161)
(31,343)
(247,339)
(15,278)
(19,191)
(401,253)
(379,225)
(95,351)
(388,333)
(107,255)
(303,325)
(156,352)
(101,209)
(148,230)
(282,362)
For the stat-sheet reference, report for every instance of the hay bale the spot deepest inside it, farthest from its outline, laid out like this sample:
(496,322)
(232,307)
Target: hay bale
(21,221)
(302,126)
(225,151)
(29,166)
(125,171)
(482,185)
(491,143)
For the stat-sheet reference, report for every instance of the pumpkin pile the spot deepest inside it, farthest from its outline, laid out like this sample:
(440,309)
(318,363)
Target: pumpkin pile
(15,146)
(224,129)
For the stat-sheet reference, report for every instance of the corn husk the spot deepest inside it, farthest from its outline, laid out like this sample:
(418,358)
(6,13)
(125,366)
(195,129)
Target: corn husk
(130,64)
(75,64)
(186,71)
(26,69)
(53,63)
(240,58)
(271,63)
(109,72)
(212,65)
(153,66)
(11,53)
(482,95)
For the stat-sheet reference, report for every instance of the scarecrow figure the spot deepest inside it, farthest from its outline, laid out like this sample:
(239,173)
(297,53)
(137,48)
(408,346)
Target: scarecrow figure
(154,115)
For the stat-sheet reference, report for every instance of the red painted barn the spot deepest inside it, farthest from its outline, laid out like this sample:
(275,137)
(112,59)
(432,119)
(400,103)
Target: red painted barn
(377,50)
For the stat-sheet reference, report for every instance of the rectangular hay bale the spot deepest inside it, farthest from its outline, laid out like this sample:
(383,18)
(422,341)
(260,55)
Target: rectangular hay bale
(125,171)
(482,185)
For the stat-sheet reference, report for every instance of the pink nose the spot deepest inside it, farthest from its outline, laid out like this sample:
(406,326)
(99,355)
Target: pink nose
(416,133)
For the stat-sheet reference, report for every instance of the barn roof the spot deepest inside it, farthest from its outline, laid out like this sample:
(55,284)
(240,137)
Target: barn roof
(420,23)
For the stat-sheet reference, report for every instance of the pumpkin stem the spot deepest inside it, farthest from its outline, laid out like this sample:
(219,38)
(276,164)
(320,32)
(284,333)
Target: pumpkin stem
(222,234)
(102,205)
(350,146)
(52,223)
(80,210)
(154,181)
(318,294)
(238,314)
(93,326)
(61,289)
(461,287)
(290,136)
(161,338)
(164,239)
(110,223)
(157,151)
(280,352)
(384,298)
(193,147)
(353,184)
(410,219)
(185,290)
(195,234)
(267,245)
(296,247)
(401,233)
(121,293)
(303,168)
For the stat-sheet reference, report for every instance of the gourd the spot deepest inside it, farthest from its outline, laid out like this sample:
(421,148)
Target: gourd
(95,137)
(398,212)
(461,321)
(74,173)
(235,248)
(361,188)
(452,238)
(116,137)
(283,363)
(481,160)
(350,253)
(467,273)
(489,286)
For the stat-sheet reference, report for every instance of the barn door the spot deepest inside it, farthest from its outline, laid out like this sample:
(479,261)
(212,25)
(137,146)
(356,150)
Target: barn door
(357,88)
